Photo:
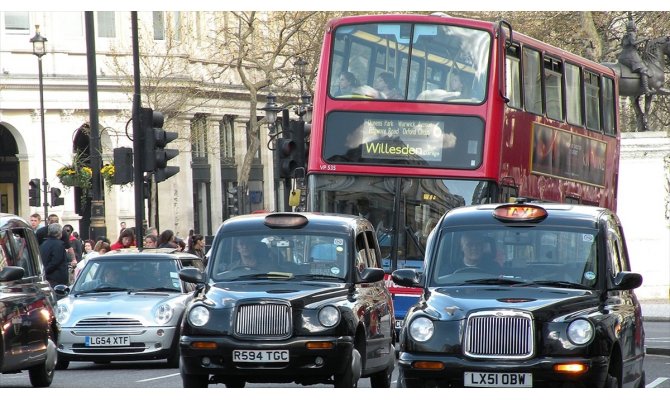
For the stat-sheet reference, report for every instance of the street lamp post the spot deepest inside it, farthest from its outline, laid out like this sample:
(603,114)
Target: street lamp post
(39,49)
(271,109)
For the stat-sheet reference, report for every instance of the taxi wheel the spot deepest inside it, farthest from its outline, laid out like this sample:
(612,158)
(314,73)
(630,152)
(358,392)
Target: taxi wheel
(382,379)
(405,383)
(42,375)
(194,381)
(234,383)
(173,358)
(349,378)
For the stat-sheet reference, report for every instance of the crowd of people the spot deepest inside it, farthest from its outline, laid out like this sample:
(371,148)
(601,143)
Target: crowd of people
(64,253)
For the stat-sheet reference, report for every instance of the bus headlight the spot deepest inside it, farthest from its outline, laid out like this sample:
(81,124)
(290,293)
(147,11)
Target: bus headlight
(580,331)
(198,316)
(329,316)
(421,329)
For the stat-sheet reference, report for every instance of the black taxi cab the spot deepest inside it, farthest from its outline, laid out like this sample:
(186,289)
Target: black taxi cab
(29,329)
(289,297)
(524,295)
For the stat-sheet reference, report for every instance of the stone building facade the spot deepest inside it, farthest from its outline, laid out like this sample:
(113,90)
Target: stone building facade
(199,197)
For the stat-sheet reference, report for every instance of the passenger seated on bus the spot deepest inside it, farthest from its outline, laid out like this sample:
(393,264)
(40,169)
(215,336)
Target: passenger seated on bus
(454,90)
(476,258)
(346,84)
(386,86)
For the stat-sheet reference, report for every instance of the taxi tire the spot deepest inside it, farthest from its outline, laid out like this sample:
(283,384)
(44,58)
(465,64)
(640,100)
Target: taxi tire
(194,381)
(349,378)
(235,383)
(403,383)
(42,375)
(383,379)
(611,381)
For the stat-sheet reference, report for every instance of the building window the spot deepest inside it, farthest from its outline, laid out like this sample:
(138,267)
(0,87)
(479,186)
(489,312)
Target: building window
(159,25)
(71,24)
(199,136)
(106,24)
(176,25)
(17,23)
(227,139)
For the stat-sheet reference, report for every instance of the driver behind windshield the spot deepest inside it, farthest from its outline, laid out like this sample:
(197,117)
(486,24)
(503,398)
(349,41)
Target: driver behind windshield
(477,254)
(252,254)
(111,276)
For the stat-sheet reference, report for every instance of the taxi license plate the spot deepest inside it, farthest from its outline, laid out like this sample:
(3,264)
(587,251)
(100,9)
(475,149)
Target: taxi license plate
(109,341)
(398,323)
(498,379)
(260,356)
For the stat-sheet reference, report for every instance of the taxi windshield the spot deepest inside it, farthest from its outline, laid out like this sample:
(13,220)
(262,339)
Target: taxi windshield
(285,256)
(553,257)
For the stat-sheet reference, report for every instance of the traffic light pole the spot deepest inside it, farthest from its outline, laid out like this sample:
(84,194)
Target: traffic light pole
(138,138)
(44,146)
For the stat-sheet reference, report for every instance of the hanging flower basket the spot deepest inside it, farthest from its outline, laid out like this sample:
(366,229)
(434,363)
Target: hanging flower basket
(107,172)
(75,175)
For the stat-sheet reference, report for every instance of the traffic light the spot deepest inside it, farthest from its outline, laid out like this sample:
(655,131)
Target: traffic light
(56,200)
(35,199)
(156,138)
(123,165)
(298,132)
(286,148)
(233,203)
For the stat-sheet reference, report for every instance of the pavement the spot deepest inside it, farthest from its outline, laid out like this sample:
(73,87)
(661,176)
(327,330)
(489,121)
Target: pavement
(657,310)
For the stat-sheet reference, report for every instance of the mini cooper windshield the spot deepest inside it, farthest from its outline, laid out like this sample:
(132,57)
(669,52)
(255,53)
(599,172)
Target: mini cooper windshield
(110,275)
(286,256)
(552,257)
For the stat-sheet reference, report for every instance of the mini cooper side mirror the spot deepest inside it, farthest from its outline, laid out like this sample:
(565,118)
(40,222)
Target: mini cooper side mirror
(406,277)
(627,280)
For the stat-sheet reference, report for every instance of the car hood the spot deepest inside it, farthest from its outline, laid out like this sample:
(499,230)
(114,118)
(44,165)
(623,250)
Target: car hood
(300,294)
(545,303)
(121,305)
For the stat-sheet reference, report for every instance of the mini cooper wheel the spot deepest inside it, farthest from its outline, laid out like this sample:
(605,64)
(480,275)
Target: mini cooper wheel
(349,378)
(62,364)
(234,383)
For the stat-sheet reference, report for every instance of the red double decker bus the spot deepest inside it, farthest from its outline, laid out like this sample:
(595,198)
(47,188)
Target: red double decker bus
(418,114)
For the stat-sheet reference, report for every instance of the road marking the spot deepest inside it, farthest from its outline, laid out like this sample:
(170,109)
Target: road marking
(158,377)
(656,382)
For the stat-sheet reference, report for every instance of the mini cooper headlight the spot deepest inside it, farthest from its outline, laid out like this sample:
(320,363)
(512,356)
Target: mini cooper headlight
(62,313)
(421,329)
(329,316)
(163,314)
(198,316)
(580,331)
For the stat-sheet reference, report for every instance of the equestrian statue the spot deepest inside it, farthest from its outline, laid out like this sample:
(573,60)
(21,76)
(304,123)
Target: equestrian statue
(641,75)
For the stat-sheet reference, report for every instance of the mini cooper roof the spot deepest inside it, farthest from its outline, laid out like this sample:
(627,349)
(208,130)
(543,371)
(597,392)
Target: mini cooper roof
(134,253)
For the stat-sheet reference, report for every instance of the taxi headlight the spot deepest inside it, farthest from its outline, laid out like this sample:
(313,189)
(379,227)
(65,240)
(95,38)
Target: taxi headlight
(62,313)
(163,314)
(421,329)
(198,316)
(580,331)
(329,316)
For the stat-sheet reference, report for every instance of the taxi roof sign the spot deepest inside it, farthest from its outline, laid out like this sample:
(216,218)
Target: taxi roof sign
(285,220)
(519,213)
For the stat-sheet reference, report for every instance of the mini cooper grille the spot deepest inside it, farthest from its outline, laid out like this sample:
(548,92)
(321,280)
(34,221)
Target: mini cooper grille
(499,334)
(267,320)
(108,322)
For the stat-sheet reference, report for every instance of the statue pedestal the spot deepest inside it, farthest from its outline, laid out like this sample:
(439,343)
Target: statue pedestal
(644,208)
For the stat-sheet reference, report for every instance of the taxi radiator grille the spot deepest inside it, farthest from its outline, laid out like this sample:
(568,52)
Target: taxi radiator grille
(104,322)
(499,334)
(263,320)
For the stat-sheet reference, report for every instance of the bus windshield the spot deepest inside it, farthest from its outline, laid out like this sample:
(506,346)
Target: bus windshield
(405,61)
(408,207)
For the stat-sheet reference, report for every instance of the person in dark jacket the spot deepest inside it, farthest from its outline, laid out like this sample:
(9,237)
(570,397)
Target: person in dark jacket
(54,257)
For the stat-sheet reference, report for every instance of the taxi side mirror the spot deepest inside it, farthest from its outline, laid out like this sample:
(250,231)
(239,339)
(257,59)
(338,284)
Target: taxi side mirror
(408,277)
(370,275)
(627,280)
(192,275)
(11,273)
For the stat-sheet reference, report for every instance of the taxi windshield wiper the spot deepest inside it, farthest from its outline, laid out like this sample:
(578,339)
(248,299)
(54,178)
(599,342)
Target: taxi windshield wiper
(564,284)
(497,281)
(318,276)
(266,275)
